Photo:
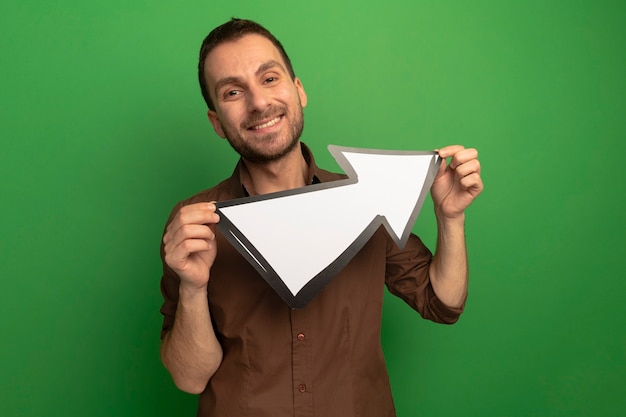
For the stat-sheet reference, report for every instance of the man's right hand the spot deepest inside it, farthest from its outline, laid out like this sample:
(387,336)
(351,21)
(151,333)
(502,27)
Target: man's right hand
(190,246)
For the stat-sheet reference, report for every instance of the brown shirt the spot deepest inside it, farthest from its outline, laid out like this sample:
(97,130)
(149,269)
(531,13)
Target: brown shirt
(324,360)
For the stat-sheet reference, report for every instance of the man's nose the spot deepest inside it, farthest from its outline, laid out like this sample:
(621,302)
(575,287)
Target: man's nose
(257,99)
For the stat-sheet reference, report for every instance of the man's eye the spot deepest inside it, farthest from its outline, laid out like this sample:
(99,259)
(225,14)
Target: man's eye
(270,79)
(232,93)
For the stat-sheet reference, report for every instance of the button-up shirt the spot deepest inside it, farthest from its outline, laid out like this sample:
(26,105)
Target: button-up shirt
(324,360)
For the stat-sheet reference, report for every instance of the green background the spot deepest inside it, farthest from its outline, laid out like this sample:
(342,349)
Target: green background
(104,130)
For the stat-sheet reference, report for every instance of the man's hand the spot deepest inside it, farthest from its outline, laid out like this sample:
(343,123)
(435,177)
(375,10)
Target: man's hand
(457,183)
(190,246)
(190,350)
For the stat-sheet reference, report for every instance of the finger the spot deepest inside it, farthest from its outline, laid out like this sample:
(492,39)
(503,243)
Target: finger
(463,156)
(198,217)
(182,245)
(205,205)
(178,257)
(467,168)
(187,231)
(194,231)
(189,246)
(442,168)
(202,213)
(448,151)
(472,182)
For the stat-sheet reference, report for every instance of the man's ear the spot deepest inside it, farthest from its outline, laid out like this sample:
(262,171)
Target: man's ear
(301,92)
(215,121)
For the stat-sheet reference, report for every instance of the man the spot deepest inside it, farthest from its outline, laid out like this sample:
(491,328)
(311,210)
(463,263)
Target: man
(226,334)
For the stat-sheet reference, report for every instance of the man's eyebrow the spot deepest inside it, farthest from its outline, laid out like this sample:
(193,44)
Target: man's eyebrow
(236,80)
(225,81)
(269,65)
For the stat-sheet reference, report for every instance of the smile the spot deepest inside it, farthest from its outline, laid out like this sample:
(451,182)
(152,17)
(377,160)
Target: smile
(267,124)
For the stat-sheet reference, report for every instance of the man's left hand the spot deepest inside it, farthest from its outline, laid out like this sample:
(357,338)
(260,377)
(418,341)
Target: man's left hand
(457,183)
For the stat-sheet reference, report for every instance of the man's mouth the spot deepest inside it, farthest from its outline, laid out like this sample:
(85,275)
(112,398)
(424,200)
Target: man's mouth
(267,124)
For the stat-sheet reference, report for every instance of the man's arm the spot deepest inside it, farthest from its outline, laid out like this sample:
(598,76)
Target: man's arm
(456,185)
(190,350)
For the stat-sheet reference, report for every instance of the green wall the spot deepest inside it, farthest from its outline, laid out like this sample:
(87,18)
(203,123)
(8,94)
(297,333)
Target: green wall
(103,129)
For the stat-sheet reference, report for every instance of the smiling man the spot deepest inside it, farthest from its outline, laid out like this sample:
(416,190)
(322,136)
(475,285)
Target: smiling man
(226,334)
(259,109)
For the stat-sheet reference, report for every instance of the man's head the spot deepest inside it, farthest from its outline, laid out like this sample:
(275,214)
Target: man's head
(233,30)
(254,99)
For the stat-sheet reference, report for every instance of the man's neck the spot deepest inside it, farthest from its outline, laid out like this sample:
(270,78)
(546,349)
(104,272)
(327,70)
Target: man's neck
(287,173)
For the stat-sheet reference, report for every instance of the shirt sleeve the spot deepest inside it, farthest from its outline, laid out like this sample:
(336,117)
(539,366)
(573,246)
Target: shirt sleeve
(169,286)
(407,277)
(170,282)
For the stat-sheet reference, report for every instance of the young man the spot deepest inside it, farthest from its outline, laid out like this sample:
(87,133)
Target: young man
(226,334)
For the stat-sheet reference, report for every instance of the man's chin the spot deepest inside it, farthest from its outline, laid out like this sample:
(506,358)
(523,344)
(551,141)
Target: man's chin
(266,152)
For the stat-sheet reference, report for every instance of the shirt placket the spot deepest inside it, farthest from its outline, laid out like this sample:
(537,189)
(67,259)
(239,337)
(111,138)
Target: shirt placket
(301,364)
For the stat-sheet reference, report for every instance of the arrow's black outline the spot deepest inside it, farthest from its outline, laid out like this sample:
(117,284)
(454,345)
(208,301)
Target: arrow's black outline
(317,283)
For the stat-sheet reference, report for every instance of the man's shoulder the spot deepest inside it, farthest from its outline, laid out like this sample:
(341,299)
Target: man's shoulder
(228,189)
(225,190)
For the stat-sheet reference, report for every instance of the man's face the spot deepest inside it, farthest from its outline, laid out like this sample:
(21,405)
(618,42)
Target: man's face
(258,107)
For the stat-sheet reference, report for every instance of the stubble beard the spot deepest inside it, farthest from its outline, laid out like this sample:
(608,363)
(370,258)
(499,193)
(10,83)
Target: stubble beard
(257,151)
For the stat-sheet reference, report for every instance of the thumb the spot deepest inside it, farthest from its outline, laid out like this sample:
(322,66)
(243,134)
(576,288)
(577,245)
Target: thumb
(442,168)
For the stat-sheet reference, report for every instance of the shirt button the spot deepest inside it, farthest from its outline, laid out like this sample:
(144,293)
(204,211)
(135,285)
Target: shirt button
(302,388)
(301,336)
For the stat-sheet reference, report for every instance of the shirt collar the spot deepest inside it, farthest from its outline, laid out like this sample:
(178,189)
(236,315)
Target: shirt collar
(312,177)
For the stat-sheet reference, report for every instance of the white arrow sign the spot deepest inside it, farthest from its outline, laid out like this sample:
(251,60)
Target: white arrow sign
(298,240)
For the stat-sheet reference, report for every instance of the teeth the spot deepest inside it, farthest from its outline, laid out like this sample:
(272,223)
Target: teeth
(268,124)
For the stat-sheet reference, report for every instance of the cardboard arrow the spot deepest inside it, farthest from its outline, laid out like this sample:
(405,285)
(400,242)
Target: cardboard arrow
(298,240)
